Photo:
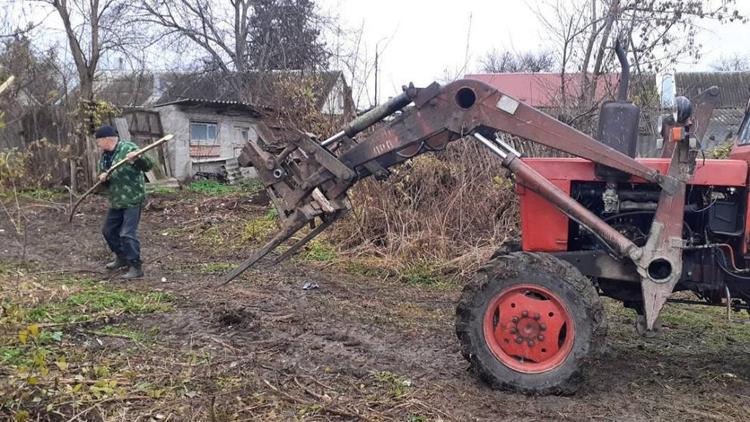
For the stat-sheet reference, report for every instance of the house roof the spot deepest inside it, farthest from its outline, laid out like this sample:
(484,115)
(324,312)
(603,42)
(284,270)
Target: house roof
(218,104)
(247,88)
(543,89)
(734,87)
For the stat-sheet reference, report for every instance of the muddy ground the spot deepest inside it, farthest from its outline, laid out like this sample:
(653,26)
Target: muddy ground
(357,347)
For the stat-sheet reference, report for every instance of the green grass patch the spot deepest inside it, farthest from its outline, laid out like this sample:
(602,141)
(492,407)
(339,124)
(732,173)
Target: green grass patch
(396,385)
(259,229)
(272,214)
(365,267)
(99,300)
(123,331)
(15,356)
(421,273)
(318,251)
(212,188)
(216,267)
(39,194)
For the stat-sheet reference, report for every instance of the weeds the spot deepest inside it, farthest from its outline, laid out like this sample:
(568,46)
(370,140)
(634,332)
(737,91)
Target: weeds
(396,385)
(46,367)
(215,267)
(259,229)
(420,273)
(98,300)
(212,188)
(318,251)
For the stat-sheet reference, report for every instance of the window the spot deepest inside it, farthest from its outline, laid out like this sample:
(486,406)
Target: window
(243,134)
(203,133)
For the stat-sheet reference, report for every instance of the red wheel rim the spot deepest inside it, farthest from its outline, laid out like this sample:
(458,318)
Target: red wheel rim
(528,329)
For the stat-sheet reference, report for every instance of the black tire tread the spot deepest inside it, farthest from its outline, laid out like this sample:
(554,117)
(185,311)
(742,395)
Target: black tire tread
(508,266)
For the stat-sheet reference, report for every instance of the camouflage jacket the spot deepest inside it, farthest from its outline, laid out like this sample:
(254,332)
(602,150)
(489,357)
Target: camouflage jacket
(126,185)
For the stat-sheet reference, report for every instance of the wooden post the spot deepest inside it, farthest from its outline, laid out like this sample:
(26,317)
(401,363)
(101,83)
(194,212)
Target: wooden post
(73,175)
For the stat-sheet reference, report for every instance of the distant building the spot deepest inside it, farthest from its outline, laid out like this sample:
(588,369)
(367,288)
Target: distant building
(544,91)
(213,115)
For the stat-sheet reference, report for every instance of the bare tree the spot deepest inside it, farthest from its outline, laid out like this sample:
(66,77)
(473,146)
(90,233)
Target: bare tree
(733,63)
(243,34)
(93,28)
(659,33)
(221,31)
(29,104)
(509,62)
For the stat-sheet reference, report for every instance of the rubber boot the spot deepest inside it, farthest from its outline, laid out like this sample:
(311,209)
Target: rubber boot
(117,264)
(135,270)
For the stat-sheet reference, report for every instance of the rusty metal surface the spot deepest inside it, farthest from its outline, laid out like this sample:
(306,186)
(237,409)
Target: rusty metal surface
(599,264)
(665,242)
(535,182)
(491,110)
(308,182)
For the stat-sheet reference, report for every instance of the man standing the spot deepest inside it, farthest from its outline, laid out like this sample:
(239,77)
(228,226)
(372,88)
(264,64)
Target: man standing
(127,193)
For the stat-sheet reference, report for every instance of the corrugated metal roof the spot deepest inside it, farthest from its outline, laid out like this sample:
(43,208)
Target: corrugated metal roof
(256,111)
(247,88)
(544,89)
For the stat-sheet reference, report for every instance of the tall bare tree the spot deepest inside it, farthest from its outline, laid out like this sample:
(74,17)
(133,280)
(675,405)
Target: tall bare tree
(659,33)
(242,35)
(221,30)
(509,62)
(732,63)
(92,29)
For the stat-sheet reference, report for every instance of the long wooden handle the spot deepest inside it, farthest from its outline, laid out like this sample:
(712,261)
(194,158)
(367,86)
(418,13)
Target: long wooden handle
(112,170)
(7,83)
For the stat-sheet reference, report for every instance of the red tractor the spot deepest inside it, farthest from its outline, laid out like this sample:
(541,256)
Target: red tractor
(635,230)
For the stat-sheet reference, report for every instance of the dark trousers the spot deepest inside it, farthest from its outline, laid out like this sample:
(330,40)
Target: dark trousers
(120,229)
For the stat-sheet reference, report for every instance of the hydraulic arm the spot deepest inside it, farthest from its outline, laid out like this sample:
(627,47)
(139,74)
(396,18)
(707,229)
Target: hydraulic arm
(308,180)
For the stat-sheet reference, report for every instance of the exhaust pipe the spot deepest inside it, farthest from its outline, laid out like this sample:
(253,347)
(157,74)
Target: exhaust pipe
(622,91)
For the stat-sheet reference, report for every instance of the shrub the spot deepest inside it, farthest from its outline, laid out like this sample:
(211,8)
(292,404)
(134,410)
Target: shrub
(434,208)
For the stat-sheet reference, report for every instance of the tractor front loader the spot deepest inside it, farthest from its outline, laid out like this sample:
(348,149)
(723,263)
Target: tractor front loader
(604,223)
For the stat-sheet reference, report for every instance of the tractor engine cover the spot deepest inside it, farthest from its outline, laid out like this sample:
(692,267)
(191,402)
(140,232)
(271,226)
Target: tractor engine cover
(618,129)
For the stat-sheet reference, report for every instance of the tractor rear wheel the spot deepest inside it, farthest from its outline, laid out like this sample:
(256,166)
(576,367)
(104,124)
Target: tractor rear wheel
(529,322)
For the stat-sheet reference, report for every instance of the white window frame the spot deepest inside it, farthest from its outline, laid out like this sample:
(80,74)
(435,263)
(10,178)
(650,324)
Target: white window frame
(207,142)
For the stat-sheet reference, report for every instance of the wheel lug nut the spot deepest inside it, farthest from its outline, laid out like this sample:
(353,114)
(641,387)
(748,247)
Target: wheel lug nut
(525,314)
(519,340)
(542,326)
(531,343)
(514,319)
(540,337)
(537,316)
(513,330)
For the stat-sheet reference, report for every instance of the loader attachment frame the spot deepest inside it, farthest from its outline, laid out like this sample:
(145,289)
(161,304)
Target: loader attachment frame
(308,180)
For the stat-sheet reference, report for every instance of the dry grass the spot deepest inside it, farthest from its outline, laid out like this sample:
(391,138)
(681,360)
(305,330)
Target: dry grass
(447,210)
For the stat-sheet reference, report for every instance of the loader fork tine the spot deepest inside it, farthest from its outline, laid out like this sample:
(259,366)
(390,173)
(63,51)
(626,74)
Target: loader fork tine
(295,225)
(310,236)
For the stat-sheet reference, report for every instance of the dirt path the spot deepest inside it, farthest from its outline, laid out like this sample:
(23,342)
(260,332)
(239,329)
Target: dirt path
(358,347)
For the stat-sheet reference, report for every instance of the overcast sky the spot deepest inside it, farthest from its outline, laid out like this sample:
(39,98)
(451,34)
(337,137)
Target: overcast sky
(425,40)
